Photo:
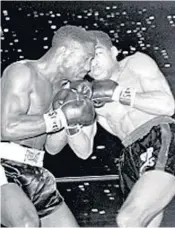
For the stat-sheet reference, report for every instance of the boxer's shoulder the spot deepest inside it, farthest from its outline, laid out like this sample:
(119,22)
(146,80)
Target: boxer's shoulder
(18,71)
(141,62)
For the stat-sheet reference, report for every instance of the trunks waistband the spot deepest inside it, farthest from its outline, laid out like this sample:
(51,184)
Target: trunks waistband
(18,153)
(144,129)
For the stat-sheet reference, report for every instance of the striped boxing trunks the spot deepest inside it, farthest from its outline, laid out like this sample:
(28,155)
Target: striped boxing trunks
(149,147)
(23,166)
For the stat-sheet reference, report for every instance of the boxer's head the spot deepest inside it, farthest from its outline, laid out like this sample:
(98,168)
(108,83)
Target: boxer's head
(76,48)
(104,62)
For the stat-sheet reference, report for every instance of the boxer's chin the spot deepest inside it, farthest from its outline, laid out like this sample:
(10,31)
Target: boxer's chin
(98,74)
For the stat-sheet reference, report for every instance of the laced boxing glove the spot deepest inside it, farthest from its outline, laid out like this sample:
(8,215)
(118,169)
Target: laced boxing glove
(71,111)
(105,91)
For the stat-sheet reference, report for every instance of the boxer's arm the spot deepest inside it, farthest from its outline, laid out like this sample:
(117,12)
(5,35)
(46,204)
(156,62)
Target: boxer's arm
(3,178)
(55,142)
(82,143)
(156,98)
(16,92)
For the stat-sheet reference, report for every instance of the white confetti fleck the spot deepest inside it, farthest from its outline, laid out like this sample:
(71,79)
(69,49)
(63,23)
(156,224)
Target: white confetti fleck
(53,26)
(106,191)
(102,212)
(100,147)
(94,210)
(167,65)
(6,30)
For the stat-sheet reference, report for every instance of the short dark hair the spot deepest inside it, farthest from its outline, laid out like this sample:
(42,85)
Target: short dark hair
(103,38)
(66,34)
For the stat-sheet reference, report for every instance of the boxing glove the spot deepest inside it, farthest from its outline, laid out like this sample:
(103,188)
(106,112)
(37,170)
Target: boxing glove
(83,87)
(69,109)
(107,91)
(64,95)
(103,91)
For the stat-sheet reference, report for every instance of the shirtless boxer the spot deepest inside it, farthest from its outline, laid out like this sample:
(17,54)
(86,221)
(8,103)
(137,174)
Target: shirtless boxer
(30,124)
(134,103)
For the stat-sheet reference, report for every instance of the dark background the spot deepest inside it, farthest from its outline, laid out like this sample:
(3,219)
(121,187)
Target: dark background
(132,26)
(27,30)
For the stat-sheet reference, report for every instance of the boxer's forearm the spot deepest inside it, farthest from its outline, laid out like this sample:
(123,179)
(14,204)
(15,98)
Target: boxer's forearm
(22,127)
(154,102)
(82,143)
(55,142)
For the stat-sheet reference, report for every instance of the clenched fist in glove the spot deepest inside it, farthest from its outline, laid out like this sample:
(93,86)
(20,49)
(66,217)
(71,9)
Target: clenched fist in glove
(103,91)
(76,108)
(99,91)
(83,87)
(107,91)
(71,109)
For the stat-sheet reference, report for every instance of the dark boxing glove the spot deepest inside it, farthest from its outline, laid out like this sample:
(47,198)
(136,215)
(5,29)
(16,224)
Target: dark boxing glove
(64,95)
(103,91)
(83,87)
(107,91)
(72,111)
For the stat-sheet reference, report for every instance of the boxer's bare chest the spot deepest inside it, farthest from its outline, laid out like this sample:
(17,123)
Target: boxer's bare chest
(123,119)
(40,102)
(41,96)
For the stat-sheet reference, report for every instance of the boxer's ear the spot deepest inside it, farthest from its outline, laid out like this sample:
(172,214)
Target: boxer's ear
(62,55)
(114,52)
(64,51)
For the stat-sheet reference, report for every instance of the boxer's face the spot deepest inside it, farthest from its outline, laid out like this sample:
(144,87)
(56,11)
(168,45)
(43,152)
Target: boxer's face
(79,61)
(102,64)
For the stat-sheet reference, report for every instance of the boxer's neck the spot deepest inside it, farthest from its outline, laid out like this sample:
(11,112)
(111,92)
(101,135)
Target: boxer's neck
(50,66)
(116,72)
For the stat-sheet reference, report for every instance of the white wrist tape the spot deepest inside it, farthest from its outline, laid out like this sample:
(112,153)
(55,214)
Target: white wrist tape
(116,93)
(55,120)
(127,96)
(3,178)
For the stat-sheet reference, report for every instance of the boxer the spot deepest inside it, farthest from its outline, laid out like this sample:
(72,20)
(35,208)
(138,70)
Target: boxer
(133,101)
(33,123)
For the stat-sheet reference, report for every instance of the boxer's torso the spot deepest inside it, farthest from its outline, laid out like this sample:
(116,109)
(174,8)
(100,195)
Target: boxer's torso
(40,99)
(121,119)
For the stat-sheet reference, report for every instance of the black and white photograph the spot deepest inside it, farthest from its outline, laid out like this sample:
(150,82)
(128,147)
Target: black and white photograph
(87,114)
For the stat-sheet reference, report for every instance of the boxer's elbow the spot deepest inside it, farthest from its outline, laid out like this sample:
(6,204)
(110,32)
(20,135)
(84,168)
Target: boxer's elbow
(7,133)
(84,153)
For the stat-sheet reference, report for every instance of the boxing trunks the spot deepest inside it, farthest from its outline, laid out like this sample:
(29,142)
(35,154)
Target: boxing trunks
(25,169)
(149,147)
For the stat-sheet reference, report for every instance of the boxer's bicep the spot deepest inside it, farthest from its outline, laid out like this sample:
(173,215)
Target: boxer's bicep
(16,90)
(155,96)
(154,81)
(149,74)
(155,86)
(15,97)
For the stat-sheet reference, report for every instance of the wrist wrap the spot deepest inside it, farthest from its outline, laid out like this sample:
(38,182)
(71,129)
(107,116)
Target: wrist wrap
(125,96)
(54,120)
